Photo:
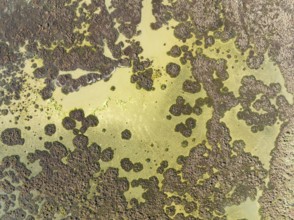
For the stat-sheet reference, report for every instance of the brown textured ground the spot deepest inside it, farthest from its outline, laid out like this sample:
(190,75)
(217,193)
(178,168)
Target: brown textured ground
(99,37)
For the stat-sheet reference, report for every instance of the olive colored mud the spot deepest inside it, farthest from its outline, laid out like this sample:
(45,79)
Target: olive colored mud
(162,109)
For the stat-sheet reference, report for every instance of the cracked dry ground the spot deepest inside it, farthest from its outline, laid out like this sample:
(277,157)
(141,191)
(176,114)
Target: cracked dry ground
(132,109)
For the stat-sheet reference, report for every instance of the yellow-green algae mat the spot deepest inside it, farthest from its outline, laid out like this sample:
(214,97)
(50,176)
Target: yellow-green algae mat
(119,104)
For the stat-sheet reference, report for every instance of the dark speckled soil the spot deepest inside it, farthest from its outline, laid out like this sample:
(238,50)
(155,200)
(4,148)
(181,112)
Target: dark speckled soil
(75,177)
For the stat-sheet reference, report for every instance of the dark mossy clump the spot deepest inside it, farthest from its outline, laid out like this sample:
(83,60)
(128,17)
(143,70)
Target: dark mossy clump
(126,134)
(175,51)
(162,167)
(173,69)
(77,114)
(183,31)
(90,121)
(68,123)
(80,141)
(46,93)
(209,41)
(183,129)
(138,167)
(144,79)
(12,136)
(76,188)
(126,164)
(107,154)
(180,107)
(190,123)
(191,86)
(50,129)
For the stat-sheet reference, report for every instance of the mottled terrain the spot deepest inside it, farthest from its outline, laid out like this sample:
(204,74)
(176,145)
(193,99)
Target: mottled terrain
(132,109)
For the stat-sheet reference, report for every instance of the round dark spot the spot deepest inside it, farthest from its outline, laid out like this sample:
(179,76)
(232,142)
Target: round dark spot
(168,117)
(76,131)
(123,184)
(80,141)
(185,143)
(173,69)
(95,149)
(135,183)
(46,93)
(190,123)
(180,100)
(175,51)
(175,110)
(68,123)
(155,25)
(126,164)
(182,31)
(238,145)
(186,132)
(91,121)
(181,160)
(183,60)
(77,114)
(184,48)
(163,87)
(50,129)
(134,202)
(126,134)
(187,109)
(179,127)
(40,73)
(209,41)
(107,155)
(4,112)
(137,167)
(164,163)
(197,110)
(183,129)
